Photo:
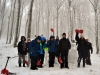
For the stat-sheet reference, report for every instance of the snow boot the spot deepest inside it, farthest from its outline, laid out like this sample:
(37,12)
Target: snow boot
(23,64)
(19,64)
(78,65)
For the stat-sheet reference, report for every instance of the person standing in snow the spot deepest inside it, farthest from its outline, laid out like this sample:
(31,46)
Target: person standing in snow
(52,44)
(28,42)
(22,50)
(34,48)
(64,47)
(89,47)
(82,48)
(41,51)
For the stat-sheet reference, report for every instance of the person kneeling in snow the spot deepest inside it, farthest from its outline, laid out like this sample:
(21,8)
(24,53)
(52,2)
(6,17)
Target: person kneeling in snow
(34,47)
(22,51)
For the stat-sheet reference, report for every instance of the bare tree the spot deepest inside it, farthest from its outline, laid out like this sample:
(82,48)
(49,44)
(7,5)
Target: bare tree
(17,25)
(95,4)
(30,20)
(3,6)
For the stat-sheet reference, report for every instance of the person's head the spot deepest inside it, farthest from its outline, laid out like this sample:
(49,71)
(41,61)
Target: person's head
(64,35)
(57,37)
(87,40)
(28,40)
(52,38)
(23,38)
(43,39)
(81,37)
(38,39)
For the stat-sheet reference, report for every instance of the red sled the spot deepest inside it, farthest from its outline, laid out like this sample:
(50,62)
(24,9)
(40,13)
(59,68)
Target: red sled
(81,31)
(77,31)
(38,63)
(60,60)
(26,62)
(52,29)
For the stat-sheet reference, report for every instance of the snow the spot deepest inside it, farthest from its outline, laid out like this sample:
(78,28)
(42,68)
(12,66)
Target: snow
(8,50)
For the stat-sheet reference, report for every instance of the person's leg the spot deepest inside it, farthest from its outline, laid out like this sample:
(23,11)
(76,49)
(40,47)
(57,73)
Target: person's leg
(66,60)
(79,58)
(53,59)
(19,60)
(89,59)
(29,60)
(42,60)
(50,59)
(23,57)
(62,57)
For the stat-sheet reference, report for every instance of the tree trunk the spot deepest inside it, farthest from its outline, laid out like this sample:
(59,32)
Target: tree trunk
(96,29)
(12,24)
(30,20)
(17,25)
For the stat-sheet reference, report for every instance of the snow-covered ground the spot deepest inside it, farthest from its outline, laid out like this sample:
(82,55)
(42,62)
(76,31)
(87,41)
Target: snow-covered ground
(8,50)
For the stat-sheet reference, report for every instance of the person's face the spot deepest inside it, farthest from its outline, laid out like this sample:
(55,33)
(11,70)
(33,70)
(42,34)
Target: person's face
(52,39)
(23,39)
(64,36)
(38,41)
(82,38)
(42,40)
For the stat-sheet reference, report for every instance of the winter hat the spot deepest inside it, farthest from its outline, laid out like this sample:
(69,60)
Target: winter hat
(43,38)
(38,38)
(52,36)
(64,34)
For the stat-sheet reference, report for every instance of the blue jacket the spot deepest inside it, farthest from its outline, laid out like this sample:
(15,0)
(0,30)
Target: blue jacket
(34,47)
(52,46)
(42,46)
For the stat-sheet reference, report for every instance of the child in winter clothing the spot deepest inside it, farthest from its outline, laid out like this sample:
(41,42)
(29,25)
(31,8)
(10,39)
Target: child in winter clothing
(34,48)
(41,51)
(28,42)
(89,47)
(22,50)
(52,44)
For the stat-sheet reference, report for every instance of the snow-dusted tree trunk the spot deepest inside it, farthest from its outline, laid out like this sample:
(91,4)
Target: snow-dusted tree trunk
(17,25)
(12,23)
(30,20)
(3,6)
(95,4)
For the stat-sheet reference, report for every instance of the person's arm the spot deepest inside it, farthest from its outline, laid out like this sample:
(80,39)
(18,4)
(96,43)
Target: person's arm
(19,48)
(77,37)
(69,44)
(31,46)
(91,48)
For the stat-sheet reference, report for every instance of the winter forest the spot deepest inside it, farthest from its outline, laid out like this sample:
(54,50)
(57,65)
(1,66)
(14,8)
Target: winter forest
(36,17)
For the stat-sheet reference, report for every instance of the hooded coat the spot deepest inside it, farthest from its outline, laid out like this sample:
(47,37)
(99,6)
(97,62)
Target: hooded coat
(22,49)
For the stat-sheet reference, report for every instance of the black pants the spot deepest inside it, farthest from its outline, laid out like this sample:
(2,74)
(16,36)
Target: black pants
(64,57)
(34,60)
(81,55)
(88,60)
(51,59)
(41,58)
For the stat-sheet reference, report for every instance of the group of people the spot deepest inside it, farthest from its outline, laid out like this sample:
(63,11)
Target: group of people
(56,48)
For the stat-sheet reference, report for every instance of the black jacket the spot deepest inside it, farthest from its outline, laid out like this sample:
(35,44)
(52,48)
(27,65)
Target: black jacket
(64,44)
(89,47)
(82,44)
(20,48)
